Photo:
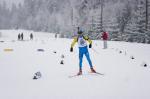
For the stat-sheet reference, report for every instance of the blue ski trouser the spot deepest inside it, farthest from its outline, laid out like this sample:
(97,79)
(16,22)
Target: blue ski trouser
(82,51)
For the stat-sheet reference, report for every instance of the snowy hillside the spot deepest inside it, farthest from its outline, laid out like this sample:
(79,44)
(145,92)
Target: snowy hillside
(126,68)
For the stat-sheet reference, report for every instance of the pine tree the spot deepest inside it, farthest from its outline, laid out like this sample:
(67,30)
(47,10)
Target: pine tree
(136,30)
(94,27)
(123,17)
(148,15)
(4,16)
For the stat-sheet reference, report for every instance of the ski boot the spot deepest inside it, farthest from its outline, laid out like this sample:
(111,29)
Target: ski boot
(80,72)
(92,70)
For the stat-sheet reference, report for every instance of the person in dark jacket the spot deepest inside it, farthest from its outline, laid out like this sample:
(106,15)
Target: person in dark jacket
(19,36)
(31,36)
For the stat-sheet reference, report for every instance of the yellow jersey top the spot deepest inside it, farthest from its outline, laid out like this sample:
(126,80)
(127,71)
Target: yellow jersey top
(81,41)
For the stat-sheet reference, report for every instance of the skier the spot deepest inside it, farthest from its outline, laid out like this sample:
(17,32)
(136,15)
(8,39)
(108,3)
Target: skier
(31,36)
(105,38)
(83,50)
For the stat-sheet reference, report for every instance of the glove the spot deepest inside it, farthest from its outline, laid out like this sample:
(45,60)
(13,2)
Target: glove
(90,46)
(71,49)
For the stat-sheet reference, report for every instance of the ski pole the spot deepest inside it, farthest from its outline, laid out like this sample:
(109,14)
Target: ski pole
(95,51)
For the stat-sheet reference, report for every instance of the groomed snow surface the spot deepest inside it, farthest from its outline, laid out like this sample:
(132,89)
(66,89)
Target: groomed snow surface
(126,68)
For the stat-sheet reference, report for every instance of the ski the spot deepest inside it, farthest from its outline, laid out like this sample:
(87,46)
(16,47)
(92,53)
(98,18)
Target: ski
(97,73)
(85,74)
(73,76)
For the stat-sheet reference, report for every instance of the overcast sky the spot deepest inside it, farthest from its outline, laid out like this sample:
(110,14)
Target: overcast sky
(9,2)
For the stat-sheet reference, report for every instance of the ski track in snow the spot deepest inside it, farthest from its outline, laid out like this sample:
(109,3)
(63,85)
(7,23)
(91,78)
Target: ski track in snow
(125,78)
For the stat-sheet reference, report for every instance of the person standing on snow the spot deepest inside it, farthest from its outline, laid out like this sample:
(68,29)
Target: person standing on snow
(105,38)
(19,36)
(55,35)
(83,50)
(31,36)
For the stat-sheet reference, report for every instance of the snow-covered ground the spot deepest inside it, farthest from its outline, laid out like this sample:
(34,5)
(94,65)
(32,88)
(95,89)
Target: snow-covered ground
(124,77)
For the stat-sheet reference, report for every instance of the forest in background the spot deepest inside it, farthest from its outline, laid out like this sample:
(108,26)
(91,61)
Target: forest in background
(124,20)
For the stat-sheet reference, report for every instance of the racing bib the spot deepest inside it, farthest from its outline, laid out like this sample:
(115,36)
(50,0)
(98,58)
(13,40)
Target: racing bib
(81,42)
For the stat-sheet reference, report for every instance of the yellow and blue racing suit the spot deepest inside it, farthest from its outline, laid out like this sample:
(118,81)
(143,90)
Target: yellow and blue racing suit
(83,49)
